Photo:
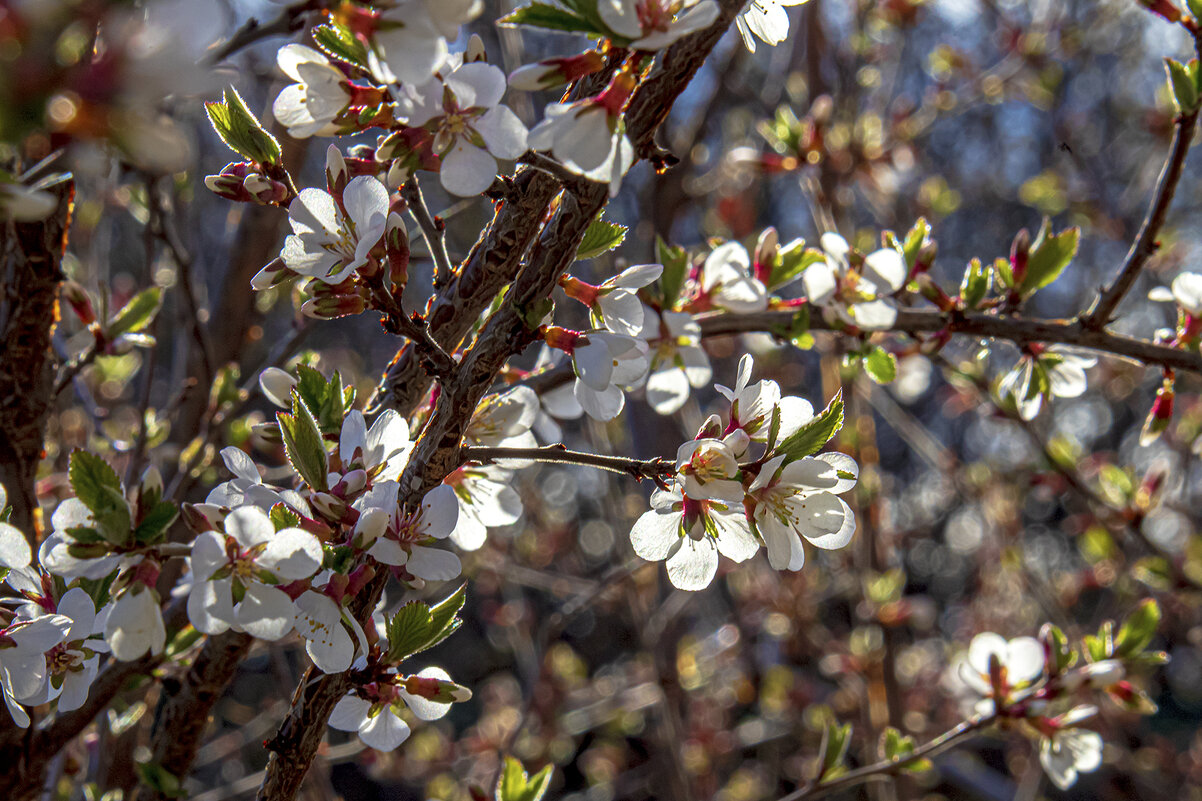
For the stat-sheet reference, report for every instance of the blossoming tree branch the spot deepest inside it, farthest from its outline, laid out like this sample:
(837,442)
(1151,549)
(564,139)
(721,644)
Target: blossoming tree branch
(350,544)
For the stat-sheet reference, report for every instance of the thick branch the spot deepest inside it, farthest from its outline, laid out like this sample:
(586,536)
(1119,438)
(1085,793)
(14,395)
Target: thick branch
(1145,244)
(30,256)
(637,468)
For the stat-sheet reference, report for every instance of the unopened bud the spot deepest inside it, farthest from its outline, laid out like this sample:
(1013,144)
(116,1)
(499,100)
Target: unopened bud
(80,302)
(555,72)
(1019,252)
(328,505)
(202,517)
(767,249)
(330,307)
(396,243)
(933,292)
(337,174)
(475,50)
(265,190)
(1159,416)
(925,258)
(274,274)
(561,338)
(710,429)
(277,386)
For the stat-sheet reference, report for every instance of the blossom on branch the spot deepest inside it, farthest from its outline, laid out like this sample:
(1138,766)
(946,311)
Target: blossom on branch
(855,286)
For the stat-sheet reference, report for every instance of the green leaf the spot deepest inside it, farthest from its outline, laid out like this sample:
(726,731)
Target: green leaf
(835,742)
(1101,646)
(1138,629)
(514,785)
(1183,85)
(136,314)
(283,517)
(1057,643)
(97,486)
(241,130)
(417,627)
(1049,255)
(601,237)
(153,527)
(549,17)
(977,281)
(792,261)
(341,44)
(159,779)
(676,271)
(303,444)
(917,237)
(810,438)
(881,365)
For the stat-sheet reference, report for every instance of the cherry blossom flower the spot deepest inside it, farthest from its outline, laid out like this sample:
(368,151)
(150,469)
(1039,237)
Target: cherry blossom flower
(247,486)
(469,126)
(1066,750)
(504,419)
(401,539)
(678,362)
(55,552)
(72,665)
(1052,371)
(727,282)
(382,450)
(708,469)
(751,405)
(23,647)
(615,303)
(277,385)
(799,501)
(324,625)
(583,134)
(1021,663)
(233,574)
(766,20)
(332,237)
(603,365)
(689,534)
(309,106)
(133,625)
(486,500)
(655,24)
(859,294)
(374,712)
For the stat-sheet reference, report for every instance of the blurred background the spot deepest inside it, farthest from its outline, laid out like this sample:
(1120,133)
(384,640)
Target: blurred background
(980,116)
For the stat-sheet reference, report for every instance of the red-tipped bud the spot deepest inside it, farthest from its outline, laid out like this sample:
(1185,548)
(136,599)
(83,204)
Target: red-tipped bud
(1019,251)
(934,293)
(579,290)
(1159,415)
(555,71)
(80,302)
(274,274)
(561,338)
(1163,8)
(330,307)
(614,98)
(396,243)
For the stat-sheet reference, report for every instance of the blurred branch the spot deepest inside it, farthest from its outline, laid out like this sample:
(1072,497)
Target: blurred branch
(291,18)
(888,767)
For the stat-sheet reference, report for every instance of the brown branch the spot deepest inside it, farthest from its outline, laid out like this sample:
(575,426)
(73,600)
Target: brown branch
(182,714)
(636,468)
(437,452)
(30,268)
(888,767)
(433,231)
(290,19)
(1018,330)
(1145,244)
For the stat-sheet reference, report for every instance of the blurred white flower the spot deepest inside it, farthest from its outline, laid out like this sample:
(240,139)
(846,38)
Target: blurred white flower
(309,106)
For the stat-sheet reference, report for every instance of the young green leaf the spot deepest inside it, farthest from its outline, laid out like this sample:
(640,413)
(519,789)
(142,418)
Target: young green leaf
(810,438)
(97,486)
(514,785)
(241,130)
(303,444)
(1138,629)
(417,627)
(881,365)
(977,281)
(339,43)
(1183,86)
(676,271)
(601,237)
(136,314)
(794,259)
(549,17)
(1050,254)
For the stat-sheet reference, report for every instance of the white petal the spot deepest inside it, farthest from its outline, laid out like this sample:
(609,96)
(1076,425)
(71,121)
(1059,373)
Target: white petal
(349,713)
(384,731)
(211,605)
(353,437)
(249,525)
(328,644)
(886,269)
(735,541)
(1187,289)
(14,548)
(694,565)
(1024,659)
(667,390)
(240,464)
(604,405)
(503,133)
(467,170)
(366,202)
(875,314)
(208,555)
(291,554)
(655,533)
(440,511)
(388,551)
(594,364)
(77,605)
(982,647)
(433,564)
(265,612)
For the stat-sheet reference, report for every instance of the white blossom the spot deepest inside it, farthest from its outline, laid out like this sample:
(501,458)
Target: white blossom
(689,534)
(377,717)
(23,647)
(324,625)
(382,450)
(243,564)
(605,364)
(615,302)
(486,499)
(72,665)
(405,539)
(1021,661)
(54,554)
(470,126)
(766,20)
(860,295)
(678,362)
(727,281)
(308,106)
(1054,371)
(799,501)
(329,241)
(1068,750)
(1186,291)
(655,24)
(504,419)
(133,625)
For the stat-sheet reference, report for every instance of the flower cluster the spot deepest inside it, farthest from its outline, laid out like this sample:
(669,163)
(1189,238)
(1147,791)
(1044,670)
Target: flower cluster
(750,482)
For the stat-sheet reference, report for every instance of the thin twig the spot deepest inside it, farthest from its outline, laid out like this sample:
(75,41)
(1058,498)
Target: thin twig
(291,18)
(1145,244)
(433,231)
(638,468)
